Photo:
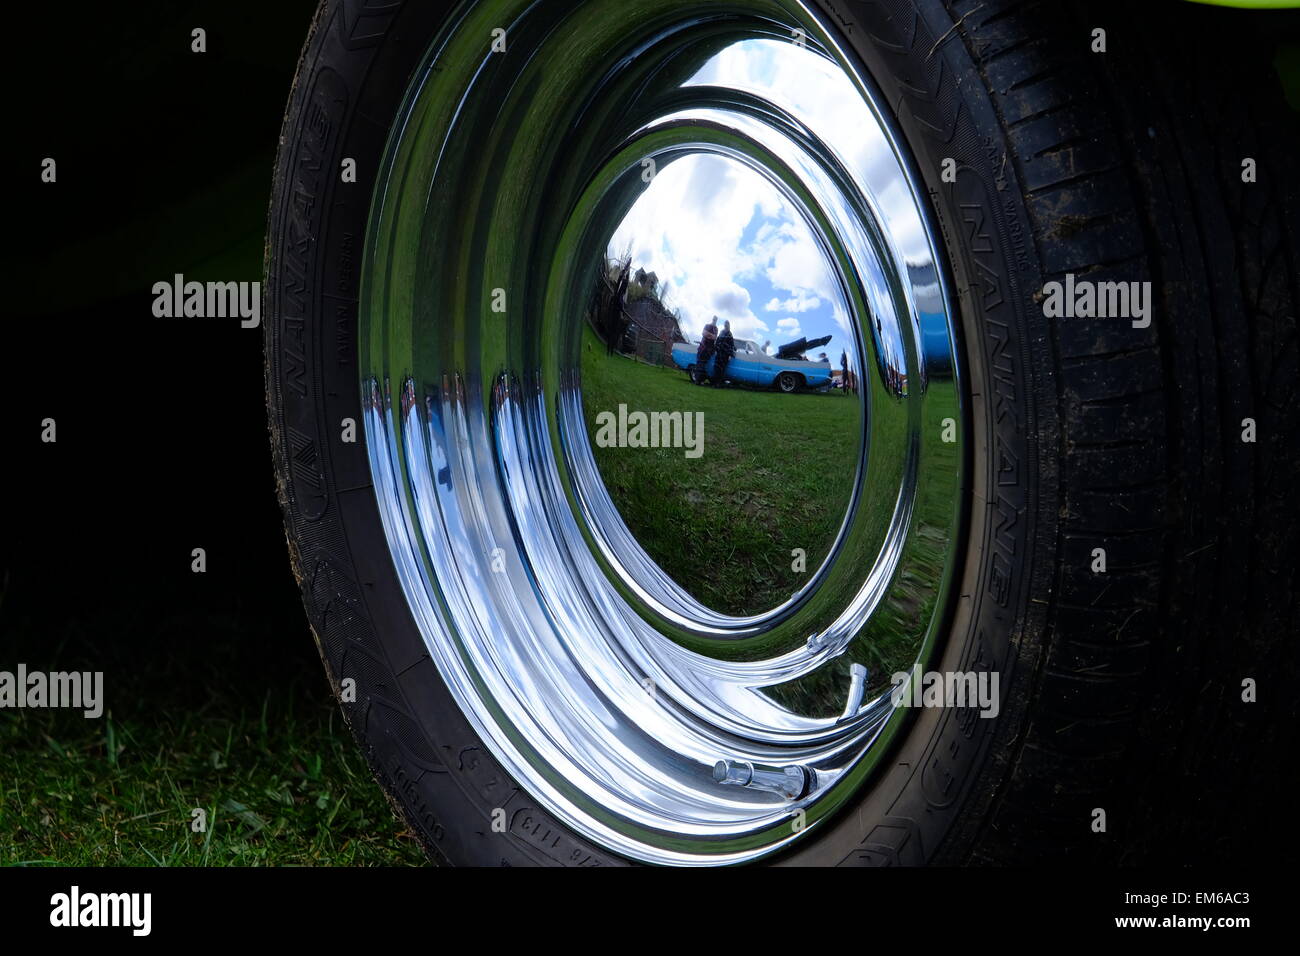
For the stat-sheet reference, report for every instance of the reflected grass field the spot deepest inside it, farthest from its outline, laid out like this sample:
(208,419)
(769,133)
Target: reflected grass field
(775,475)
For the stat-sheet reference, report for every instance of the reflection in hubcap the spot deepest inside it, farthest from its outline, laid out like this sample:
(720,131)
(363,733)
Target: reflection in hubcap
(735,491)
(628,627)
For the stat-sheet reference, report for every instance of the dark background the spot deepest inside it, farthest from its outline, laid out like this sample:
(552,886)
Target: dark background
(164,164)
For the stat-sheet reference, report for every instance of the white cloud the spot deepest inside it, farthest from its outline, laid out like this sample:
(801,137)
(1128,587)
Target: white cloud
(687,226)
(810,86)
(691,226)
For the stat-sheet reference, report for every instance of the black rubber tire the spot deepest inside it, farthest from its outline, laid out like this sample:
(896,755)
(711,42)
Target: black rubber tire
(788,379)
(1121,691)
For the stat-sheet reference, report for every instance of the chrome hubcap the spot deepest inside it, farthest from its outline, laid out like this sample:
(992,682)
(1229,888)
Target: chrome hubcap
(660,725)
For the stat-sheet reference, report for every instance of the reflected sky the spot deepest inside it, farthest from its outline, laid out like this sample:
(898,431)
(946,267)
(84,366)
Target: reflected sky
(808,85)
(723,241)
(813,88)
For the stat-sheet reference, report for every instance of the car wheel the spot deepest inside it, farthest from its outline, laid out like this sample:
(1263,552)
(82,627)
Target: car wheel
(787,382)
(1061,509)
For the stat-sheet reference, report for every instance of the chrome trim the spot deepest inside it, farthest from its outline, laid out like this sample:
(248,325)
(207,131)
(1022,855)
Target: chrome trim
(602,688)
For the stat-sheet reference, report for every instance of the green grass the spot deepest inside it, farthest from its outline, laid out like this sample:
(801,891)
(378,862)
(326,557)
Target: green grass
(278,789)
(203,711)
(776,474)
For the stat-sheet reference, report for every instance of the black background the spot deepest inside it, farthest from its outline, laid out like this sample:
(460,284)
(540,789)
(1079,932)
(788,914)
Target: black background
(164,165)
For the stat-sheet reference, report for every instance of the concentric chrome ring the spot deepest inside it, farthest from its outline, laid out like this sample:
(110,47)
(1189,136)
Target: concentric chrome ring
(656,727)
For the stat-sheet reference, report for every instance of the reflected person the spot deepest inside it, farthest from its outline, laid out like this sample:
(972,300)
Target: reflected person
(708,341)
(726,349)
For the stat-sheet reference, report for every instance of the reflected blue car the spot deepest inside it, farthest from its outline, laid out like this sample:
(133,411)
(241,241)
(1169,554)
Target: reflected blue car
(751,366)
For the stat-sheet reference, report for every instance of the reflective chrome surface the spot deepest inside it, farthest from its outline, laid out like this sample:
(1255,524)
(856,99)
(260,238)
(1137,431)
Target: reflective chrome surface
(729,463)
(605,686)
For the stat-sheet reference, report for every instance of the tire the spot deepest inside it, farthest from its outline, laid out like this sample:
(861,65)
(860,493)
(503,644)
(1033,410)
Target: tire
(1122,690)
(788,382)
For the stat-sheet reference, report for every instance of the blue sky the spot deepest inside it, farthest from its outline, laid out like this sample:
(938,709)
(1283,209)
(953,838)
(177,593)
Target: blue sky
(725,242)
